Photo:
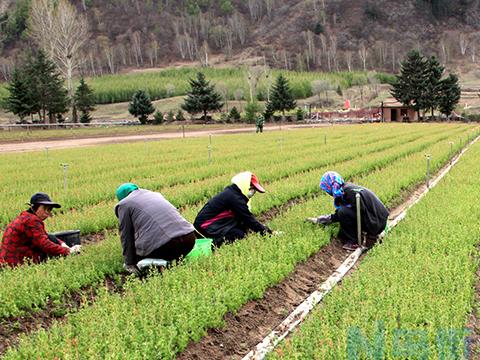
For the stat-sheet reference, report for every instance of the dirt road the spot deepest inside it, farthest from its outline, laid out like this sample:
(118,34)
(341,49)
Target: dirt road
(70,143)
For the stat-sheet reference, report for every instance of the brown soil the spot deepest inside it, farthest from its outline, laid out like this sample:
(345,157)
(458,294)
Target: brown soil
(92,238)
(256,319)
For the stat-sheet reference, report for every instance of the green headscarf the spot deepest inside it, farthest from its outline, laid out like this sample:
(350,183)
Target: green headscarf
(124,190)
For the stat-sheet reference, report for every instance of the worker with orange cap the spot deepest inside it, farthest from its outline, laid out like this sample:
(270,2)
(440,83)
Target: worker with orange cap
(227,217)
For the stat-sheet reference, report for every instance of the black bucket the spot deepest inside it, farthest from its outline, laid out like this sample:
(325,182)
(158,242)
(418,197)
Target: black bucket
(69,237)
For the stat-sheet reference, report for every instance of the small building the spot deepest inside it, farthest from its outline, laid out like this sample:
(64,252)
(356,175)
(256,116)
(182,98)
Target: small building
(392,110)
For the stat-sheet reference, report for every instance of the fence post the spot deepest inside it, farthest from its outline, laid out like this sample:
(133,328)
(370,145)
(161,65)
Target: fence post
(65,168)
(428,156)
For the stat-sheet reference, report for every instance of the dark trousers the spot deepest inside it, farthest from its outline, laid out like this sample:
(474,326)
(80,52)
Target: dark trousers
(348,225)
(175,249)
(233,234)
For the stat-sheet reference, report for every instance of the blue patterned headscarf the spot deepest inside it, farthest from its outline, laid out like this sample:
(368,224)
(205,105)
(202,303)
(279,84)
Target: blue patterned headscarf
(332,183)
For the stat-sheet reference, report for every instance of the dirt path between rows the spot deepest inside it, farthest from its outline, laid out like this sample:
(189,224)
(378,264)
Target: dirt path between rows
(256,319)
(92,141)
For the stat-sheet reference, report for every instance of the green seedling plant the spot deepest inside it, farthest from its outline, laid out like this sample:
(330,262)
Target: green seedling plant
(124,326)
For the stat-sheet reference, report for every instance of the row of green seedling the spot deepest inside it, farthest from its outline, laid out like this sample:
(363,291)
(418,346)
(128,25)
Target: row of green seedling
(101,216)
(157,318)
(42,291)
(88,189)
(413,295)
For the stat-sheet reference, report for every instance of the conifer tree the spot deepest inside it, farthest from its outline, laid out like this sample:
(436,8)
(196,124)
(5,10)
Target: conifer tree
(281,98)
(434,72)
(234,114)
(409,87)
(19,101)
(202,97)
(84,101)
(141,106)
(449,94)
(47,91)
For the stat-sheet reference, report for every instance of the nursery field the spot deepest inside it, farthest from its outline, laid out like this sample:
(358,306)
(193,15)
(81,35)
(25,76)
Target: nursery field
(158,317)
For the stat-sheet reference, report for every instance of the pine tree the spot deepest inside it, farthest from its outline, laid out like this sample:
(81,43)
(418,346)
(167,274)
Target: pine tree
(281,98)
(434,74)
(84,101)
(202,97)
(409,87)
(180,116)
(158,117)
(269,111)
(46,87)
(141,106)
(234,114)
(19,101)
(449,94)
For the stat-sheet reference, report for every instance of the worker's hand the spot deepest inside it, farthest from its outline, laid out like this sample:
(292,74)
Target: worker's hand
(75,249)
(324,219)
(132,269)
(65,246)
(277,233)
(313,220)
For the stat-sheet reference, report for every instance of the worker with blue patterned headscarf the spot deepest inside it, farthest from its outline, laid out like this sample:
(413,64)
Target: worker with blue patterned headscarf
(374,215)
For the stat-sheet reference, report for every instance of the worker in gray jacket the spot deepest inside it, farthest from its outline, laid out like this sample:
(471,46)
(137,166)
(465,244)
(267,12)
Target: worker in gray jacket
(150,227)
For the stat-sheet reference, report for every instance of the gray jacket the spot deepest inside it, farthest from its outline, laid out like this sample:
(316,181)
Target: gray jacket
(146,222)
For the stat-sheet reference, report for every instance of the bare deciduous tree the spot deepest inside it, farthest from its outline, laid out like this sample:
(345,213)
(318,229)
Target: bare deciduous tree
(269,4)
(363,53)
(463,44)
(222,88)
(348,60)
(253,76)
(255,8)
(136,42)
(61,32)
(239,27)
(319,86)
(109,52)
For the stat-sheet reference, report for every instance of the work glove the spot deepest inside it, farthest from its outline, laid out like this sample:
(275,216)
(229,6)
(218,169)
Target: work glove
(322,220)
(65,246)
(75,249)
(277,233)
(132,269)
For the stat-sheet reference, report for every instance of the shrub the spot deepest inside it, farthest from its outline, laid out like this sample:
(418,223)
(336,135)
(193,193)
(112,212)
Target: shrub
(158,117)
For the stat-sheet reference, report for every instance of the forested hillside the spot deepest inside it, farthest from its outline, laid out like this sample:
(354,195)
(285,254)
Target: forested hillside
(292,34)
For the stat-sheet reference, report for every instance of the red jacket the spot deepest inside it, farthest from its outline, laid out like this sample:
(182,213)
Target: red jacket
(26,238)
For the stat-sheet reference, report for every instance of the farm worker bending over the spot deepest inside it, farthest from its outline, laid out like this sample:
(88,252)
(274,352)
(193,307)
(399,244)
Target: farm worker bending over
(25,238)
(226,217)
(150,227)
(373,213)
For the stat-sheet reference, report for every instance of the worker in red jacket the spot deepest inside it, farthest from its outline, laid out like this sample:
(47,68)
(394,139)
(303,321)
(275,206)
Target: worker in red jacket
(25,238)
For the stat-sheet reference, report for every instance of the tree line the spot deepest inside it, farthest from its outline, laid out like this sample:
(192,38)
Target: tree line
(203,98)
(37,89)
(420,85)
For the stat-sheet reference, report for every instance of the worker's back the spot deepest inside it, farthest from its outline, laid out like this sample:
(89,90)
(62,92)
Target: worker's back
(155,221)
